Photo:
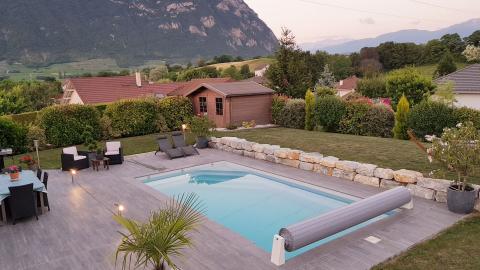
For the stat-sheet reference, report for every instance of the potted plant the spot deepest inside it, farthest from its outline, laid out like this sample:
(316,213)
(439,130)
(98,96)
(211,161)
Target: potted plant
(159,241)
(458,150)
(29,162)
(90,143)
(201,127)
(14,172)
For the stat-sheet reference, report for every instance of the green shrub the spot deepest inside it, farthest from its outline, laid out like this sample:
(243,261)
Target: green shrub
(374,87)
(13,135)
(408,82)
(323,91)
(379,121)
(401,118)
(430,118)
(464,114)
(133,117)
(35,132)
(354,119)
(329,111)
(25,118)
(64,125)
(293,114)
(309,110)
(101,108)
(176,111)
(201,126)
(278,103)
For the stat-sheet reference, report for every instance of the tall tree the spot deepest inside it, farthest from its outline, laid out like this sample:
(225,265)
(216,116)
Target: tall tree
(326,79)
(290,74)
(454,43)
(474,38)
(446,65)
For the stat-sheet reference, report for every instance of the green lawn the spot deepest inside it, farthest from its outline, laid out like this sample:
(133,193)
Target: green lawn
(429,70)
(387,153)
(456,248)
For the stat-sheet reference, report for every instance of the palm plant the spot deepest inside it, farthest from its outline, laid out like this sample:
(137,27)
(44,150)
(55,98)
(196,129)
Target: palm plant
(163,236)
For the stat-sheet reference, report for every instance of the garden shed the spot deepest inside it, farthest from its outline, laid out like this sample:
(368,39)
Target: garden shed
(232,103)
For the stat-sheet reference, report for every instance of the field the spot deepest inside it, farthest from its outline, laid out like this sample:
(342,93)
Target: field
(75,68)
(254,64)
(429,70)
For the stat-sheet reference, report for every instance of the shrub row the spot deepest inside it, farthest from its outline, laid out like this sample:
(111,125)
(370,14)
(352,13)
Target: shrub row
(288,112)
(12,135)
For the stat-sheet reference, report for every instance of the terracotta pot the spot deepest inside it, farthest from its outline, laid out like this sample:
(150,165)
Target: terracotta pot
(14,176)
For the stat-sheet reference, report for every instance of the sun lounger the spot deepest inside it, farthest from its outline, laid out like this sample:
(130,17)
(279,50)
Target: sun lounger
(179,142)
(165,146)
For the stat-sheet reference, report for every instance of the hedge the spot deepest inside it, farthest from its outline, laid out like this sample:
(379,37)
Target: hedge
(278,104)
(465,114)
(430,118)
(133,117)
(379,121)
(176,111)
(65,124)
(25,118)
(293,114)
(13,135)
(329,111)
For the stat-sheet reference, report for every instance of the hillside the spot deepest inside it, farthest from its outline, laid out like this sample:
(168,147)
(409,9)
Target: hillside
(253,64)
(410,35)
(42,32)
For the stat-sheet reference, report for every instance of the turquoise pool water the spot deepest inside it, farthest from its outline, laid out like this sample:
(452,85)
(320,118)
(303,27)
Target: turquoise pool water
(252,203)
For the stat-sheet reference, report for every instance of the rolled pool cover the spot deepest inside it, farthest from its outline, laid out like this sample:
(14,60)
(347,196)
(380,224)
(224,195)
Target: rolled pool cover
(317,228)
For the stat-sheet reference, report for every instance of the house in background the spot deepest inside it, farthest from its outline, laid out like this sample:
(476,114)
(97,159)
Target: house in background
(466,86)
(232,103)
(346,86)
(260,72)
(97,90)
(223,100)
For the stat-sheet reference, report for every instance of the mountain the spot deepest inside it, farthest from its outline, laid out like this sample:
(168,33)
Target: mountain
(313,46)
(43,32)
(411,35)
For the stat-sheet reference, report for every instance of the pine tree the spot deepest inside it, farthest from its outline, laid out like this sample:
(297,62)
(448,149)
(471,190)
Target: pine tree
(309,107)
(400,128)
(327,79)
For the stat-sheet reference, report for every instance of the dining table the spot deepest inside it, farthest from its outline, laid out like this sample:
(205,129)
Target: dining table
(26,177)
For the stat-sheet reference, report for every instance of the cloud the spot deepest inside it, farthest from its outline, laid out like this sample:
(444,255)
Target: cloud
(417,22)
(368,20)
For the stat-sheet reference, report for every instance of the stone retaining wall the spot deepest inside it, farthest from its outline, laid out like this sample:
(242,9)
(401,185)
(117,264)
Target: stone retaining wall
(367,174)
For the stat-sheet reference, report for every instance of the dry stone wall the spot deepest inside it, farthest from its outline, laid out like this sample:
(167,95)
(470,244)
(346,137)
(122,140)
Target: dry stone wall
(367,174)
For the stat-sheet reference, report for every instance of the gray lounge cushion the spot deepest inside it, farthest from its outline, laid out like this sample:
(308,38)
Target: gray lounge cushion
(174,153)
(189,150)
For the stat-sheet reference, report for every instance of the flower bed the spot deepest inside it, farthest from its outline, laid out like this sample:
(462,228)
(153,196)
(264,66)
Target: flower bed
(368,174)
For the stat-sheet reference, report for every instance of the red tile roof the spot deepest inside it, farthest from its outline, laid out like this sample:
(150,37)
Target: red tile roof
(193,84)
(93,90)
(348,83)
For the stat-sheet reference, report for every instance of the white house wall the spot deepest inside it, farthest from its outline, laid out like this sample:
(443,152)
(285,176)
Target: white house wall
(468,100)
(75,98)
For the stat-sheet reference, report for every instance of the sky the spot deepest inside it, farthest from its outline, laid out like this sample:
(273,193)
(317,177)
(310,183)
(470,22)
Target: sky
(314,20)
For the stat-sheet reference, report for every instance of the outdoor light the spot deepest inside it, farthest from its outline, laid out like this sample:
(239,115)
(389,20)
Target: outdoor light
(35,143)
(73,172)
(184,127)
(120,208)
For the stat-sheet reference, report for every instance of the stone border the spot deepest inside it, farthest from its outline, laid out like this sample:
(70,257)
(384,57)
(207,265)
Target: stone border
(367,174)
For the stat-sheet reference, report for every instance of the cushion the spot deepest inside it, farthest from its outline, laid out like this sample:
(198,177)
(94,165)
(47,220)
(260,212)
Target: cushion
(189,151)
(112,153)
(113,146)
(79,157)
(71,151)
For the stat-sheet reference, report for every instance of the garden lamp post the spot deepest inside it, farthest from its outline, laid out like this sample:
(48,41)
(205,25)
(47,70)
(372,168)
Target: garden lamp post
(35,143)
(73,172)
(184,128)
(120,208)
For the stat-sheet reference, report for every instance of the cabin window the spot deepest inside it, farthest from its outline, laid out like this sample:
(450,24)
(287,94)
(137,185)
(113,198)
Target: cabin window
(203,104)
(219,105)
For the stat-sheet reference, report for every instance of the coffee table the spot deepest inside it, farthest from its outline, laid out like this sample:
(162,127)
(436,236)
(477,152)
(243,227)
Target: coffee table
(96,163)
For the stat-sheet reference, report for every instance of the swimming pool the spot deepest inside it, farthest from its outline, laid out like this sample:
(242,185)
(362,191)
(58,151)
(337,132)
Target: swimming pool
(253,203)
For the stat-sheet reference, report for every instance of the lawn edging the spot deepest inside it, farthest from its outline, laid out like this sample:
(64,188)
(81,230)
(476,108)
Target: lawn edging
(364,173)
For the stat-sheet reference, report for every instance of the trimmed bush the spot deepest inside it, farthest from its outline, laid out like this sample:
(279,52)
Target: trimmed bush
(465,114)
(293,114)
(25,118)
(379,121)
(309,110)
(430,118)
(176,111)
(374,87)
(401,118)
(64,125)
(329,111)
(133,117)
(35,132)
(354,119)
(278,103)
(13,135)
(408,82)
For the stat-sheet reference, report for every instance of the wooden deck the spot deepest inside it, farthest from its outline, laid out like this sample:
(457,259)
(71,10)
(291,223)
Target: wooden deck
(79,232)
